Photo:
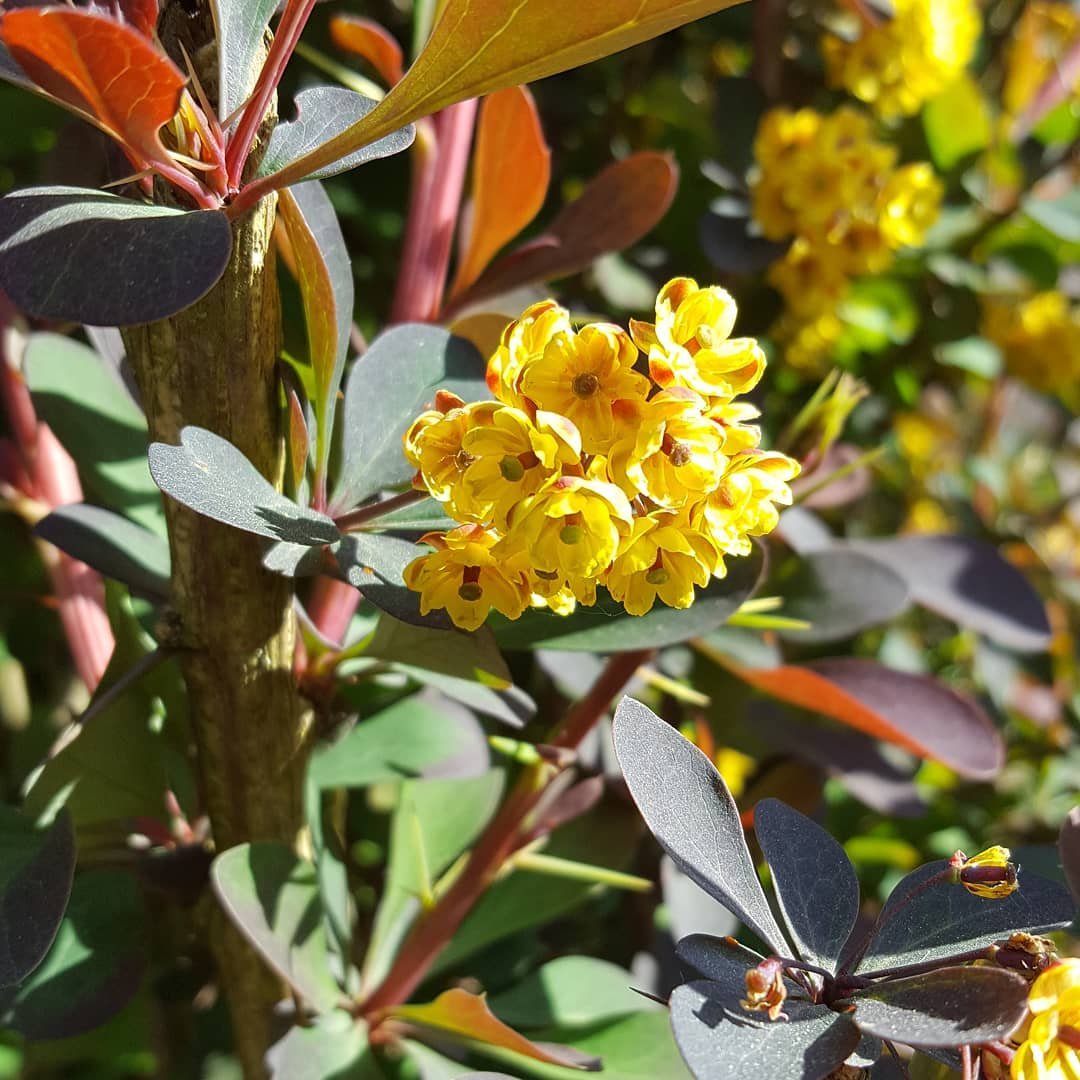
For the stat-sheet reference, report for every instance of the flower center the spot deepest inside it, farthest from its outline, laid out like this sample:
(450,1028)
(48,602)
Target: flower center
(511,469)
(585,385)
(679,454)
(707,337)
(571,534)
(470,591)
(658,576)
(462,460)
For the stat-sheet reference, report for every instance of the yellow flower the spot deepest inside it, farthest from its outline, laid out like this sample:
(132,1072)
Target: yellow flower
(581,376)
(572,527)
(1036,49)
(903,61)
(733,418)
(559,593)
(676,453)
(464,576)
(435,445)
(1051,1050)
(812,277)
(512,457)
(910,201)
(989,874)
(690,343)
(662,557)
(1040,340)
(743,505)
(522,341)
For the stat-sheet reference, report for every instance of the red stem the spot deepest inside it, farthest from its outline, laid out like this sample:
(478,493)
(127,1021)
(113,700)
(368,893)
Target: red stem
(503,836)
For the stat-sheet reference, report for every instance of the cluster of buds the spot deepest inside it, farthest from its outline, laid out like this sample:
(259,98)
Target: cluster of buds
(607,457)
(898,63)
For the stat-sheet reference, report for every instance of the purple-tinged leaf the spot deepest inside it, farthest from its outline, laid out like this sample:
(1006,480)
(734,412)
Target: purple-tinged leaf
(606,627)
(923,922)
(213,478)
(953,1006)
(1069,848)
(240,29)
(323,112)
(840,491)
(970,582)
(718,959)
(690,811)
(272,898)
(733,247)
(814,881)
(719,1039)
(86,256)
(35,881)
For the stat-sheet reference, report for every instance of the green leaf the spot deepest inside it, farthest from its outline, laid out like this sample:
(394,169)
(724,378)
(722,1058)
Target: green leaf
(95,964)
(571,992)
(36,868)
(80,396)
(719,1039)
(957,122)
(335,1047)
(943,920)
(534,39)
(435,821)
(946,1008)
(839,593)
(325,277)
(272,897)
(75,254)
(974,354)
(606,627)
(690,811)
(214,479)
(1061,216)
(388,387)
(813,879)
(112,545)
(241,26)
(322,113)
(606,836)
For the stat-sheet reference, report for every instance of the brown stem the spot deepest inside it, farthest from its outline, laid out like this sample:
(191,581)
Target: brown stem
(432,933)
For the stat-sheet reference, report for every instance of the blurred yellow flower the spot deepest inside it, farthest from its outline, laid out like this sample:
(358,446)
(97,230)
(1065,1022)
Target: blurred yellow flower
(1040,340)
(463,576)
(522,341)
(1038,44)
(1051,1050)
(896,66)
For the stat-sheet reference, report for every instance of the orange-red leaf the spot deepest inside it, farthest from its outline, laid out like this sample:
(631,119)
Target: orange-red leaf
(142,14)
(101,68)
(511,171)
(914,712)
(461,1013)
(371,42)
(617,209)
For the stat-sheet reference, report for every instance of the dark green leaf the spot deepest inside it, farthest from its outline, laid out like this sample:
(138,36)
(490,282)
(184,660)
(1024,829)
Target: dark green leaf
(814,880)
(690,811)
(720,1040)
(95,964)
(388,387)
(293,560)
(86,256)
(241,25)
(213,478)
(36,867)
(466,656)
(948,1007)
(272,897)
(80,396)
(606,627)
(719,959)
(942,920)
(572,992)
(321,113)
(839,593)
(334,1048)
(112,545)
(970,582)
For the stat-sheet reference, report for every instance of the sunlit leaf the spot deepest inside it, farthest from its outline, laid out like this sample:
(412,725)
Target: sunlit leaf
(616,209)
(334,1046)
(240,26)
(957,122)
(101,68)
(86,256)
(324,274)
(916,712)
(510,173)
(690,811)
(371,42)
(36,871)
(321,113)
(534,40)
(949,1007)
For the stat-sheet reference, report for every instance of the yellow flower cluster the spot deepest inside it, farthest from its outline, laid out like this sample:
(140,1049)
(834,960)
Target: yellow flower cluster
(1040,340)
(1051,1047)
(1036,49)
(828,183)
(584,470)
(897,65)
